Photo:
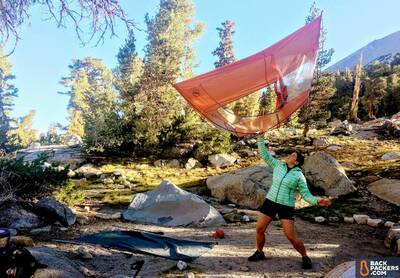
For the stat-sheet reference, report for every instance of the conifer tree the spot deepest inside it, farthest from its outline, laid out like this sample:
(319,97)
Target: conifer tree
(7,94)
(24,134)
(246,106)
(170,36)
(92,104)
(316,112)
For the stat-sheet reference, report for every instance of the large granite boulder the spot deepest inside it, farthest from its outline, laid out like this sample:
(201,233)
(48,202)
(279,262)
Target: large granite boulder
(245,187)
(345,128)
(169,205)
(386,189)
(58,265)
(59,154)
(73,140)
(323,171)
(344,270)
(391,156)
(392,239)
(221,160)
(14,215)
(89,171)
(54,210)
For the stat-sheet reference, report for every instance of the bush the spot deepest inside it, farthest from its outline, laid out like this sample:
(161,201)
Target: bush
(27,180)
(70,194)
(211,141)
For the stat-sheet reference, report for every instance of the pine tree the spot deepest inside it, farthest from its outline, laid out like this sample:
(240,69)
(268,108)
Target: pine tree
(267,101)
(392,99)
(225,51)
(129,70)
(51,137)
(246,106)
(375,87)
(92,105)
(316,112)
(170,37)
(24,134)
(7,94)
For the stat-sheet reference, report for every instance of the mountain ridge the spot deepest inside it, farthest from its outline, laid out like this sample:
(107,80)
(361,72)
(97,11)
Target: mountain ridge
(384,48)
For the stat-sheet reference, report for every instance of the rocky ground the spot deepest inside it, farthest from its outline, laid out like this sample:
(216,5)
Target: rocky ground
(363,157)
(327,246)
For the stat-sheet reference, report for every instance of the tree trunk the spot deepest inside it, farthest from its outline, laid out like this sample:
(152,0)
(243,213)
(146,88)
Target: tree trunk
(370,107)
(354,102)
(306,129)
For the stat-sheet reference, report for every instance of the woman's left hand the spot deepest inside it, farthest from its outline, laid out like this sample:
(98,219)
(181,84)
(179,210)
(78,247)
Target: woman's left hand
(324,202)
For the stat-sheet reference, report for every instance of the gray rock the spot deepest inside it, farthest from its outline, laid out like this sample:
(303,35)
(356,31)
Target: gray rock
(333,219)
(84,253)
(343,129)
(391,156)
(42,230)
(221,160)
(245,187)
(58,154)
(389,224)
(365,135)
(53,209)
(89,171)
(344,270)
(73,140)
(108,181)
(386,189)
(174,163)
(252,142)
(321,142)
(160,163)
(192,164)
(13,215)
(392,239)
(348,220)
(323,171)
(181,265)
(334,148)
(374,222)
(189,275)
(361,218)
(117,173)
(58,265)
(319,219)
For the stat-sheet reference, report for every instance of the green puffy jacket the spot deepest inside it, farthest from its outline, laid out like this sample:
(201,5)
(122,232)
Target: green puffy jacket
(285,183)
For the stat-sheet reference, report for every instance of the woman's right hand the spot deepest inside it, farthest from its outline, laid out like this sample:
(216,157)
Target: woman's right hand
(324,202)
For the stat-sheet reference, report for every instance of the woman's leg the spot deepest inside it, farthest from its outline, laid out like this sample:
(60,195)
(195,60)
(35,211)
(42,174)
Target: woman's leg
(262,224)
(290,233)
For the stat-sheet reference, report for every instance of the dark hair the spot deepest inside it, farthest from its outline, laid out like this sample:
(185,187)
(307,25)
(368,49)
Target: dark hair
(300,159)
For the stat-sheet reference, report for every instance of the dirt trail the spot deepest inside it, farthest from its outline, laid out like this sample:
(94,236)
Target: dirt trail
(327,246)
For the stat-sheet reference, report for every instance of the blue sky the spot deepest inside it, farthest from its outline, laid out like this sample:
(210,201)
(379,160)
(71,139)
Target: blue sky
(43,54)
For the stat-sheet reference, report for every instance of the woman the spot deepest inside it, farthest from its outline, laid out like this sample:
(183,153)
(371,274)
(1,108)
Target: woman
(286,181)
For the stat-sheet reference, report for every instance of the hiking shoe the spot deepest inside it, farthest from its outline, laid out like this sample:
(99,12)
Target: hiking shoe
(307,264)
(257,256)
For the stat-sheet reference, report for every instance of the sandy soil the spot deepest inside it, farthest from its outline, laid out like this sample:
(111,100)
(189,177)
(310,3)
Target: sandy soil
(327,246)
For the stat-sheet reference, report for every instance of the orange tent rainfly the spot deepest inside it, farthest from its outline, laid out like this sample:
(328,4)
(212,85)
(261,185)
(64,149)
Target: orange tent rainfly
(288,66)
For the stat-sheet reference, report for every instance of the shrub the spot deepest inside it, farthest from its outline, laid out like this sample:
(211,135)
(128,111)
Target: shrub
(70,194)
(211,141)
(27,180)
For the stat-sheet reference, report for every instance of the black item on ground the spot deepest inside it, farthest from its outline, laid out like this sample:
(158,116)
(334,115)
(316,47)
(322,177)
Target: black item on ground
(150,243)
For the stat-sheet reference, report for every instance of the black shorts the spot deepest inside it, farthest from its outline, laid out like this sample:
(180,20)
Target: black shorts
(271,209)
